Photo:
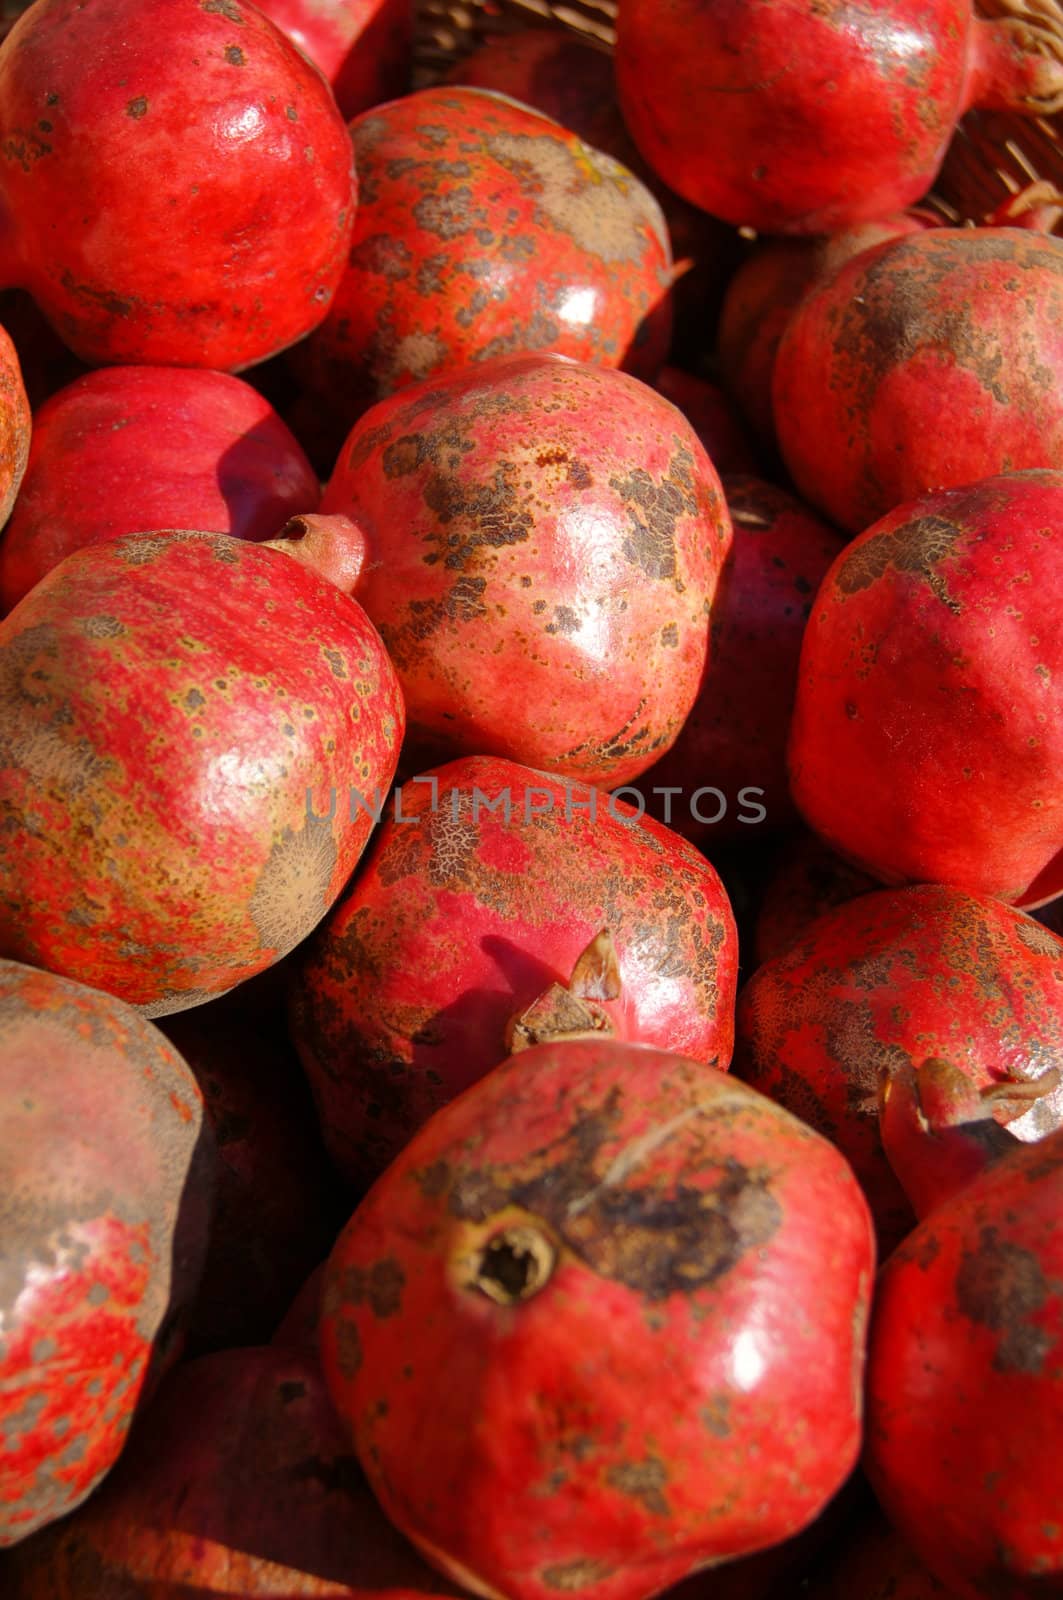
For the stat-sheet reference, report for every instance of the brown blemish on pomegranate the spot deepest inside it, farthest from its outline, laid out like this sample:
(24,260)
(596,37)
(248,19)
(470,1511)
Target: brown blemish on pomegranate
(136,108)
(1002,1286)
(348,1348)
(644,1481)
(917,547)
(654,509)
(292,891)
(570,1576)
(380,1287)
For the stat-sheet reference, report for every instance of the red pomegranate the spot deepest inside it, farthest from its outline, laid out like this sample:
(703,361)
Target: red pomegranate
(927,740)
(543,543)
(364,47)
(804,116)
(806,880)
(709,413)
(104,1202)
(766,290)
(964,1395)
(238,1482)
(731,751)
(485,230)
(275,1209)
(15,426)
(893,977)
(930,362)
(481,894)
(132,449)
(173,708)
(182,193)
(582,1301)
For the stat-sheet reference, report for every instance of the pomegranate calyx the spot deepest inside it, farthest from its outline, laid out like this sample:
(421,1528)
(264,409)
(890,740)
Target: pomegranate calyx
(330,545)
(938,1129)
(513,1264)
(573,1010)
(1038,207)
(1020,57)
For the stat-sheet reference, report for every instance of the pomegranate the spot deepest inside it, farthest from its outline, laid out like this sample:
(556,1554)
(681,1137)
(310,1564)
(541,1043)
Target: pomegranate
(181,194)
(481,892)
(731,750)
(364,47)
(47,365)
(927,741)
(130,449)
(929,362)
(710,415)
(895,976)
(543,542)
(239,1481)
(485,230)
(766,290)
(570,78)
(297,1329)
(805,116)
(170,706)
(274,1204)
(806,880)
(964,1403)
(15,426)
(104,1199)
(637,1278)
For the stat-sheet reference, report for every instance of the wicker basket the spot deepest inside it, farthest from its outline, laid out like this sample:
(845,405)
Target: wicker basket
(992,156)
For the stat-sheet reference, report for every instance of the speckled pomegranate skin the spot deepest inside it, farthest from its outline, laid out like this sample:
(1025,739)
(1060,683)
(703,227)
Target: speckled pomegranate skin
(100,1150)
(364,47)
(803,116)
(462,917)
(735,738)
(964,1399)
(166,703)
(544,540)
(240,1482)
(927,740)
(901,976)
(931,361)
(179,192)
(15,426)
(696,1272)
(484,230)
(130,449)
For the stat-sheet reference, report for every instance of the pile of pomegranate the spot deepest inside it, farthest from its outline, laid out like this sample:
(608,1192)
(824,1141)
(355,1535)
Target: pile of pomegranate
(531,806)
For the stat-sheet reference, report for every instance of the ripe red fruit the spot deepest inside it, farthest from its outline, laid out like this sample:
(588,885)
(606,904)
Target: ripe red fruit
(485,230)
(965,1403)
(167,702)
(582,1301)
(104,1204)
(484,891)
(132,449)
(929,362)
(803,116)
(734,741)
(15,426)
(182,193)
(893,977)
(711,416)
(543,543)
(364,47)
(239,1481)
(927,739)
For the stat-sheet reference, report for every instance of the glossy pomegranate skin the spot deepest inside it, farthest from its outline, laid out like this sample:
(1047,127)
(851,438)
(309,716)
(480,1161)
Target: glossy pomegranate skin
(764,293)
(485,230)
(734,741)
(703,1265)
(804,116)
(181,194)
(167,702)
(900,976)
(364,47)
(104,1202)
(964,1397)
(932,656)
(462,917)
(239,1481)
(962,326)
(16,425)
(544,541)
(131,449)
